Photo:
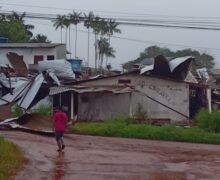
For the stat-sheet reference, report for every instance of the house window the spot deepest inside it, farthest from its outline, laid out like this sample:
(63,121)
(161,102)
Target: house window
(50,57)
(38,58)
(124,81)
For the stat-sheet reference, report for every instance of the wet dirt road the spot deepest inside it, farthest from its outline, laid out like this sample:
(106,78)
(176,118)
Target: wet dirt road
(101,158)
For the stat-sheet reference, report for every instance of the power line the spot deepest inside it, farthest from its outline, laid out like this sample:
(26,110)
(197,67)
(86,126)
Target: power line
(126,22)
(138,40)
(111,12)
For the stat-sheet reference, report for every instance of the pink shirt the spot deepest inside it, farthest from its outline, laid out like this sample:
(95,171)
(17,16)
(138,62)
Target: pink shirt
(60,120)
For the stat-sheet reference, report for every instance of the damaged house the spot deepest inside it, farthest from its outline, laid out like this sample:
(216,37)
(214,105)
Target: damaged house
(165,90)
(161,89)
(32,53)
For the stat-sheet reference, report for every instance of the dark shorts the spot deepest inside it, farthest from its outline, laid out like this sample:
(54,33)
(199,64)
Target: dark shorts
(58,135)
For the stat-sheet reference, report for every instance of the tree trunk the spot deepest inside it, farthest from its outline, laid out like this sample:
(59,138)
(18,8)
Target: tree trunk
(88,48)
(76,43)
(61,35)
(66,37)
(107,56)
(96,55)
(70,42)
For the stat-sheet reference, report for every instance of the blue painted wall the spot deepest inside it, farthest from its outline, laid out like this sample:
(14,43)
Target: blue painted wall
(76,64)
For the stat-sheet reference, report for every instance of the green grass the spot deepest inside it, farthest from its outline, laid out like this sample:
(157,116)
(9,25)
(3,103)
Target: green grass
(144,131)
(11,159)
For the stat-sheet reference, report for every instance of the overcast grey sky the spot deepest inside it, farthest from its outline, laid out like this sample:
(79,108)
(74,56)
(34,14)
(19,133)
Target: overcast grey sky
(203,40)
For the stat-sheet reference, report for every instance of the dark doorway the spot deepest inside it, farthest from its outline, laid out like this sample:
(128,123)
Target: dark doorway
(197,100)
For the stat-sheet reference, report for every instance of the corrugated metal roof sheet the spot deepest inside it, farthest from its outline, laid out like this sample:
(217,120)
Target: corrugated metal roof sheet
(85,89)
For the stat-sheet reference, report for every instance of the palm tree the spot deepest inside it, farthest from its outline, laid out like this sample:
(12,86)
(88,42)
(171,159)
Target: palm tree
(109,54)
(88,24)
(103,25)
(75,19)
(66,23)
(97,26)
(18,17)
(112,28)
(59,23)
(104,50)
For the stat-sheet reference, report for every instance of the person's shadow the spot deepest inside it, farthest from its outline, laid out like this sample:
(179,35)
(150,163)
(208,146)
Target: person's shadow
(59,168)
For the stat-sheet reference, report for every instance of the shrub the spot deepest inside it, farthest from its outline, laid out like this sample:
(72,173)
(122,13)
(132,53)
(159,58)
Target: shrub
(208,121)
(140,115)
(17,111)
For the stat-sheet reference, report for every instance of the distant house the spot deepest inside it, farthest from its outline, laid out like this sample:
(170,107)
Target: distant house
(32,53)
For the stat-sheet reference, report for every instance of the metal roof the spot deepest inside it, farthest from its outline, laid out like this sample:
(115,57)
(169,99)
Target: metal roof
(89,89)
(29,45)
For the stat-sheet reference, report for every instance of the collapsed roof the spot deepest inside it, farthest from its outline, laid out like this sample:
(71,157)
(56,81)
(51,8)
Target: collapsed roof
(25,88)
(177,68)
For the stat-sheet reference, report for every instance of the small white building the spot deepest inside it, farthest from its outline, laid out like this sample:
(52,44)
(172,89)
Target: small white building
(32,53)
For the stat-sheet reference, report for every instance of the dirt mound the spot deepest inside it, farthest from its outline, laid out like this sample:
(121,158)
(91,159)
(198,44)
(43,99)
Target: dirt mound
(36,122)
(5,112)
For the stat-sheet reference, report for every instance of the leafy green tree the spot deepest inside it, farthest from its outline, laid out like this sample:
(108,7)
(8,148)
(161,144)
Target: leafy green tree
(201,59)
(13,30)
(20,18)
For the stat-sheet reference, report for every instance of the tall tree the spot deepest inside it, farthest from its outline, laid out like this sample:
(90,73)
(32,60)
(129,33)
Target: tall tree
(59,23)
(88,24)
(112,27)
(96,28)
(75,19)
(66,23)
(104,50)
(201,60)
(13,30)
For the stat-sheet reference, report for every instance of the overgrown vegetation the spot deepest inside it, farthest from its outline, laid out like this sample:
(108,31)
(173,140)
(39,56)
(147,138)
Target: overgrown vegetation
(140,115)
(125,127)
(17,111)
(208,121)
(11,159)
(43,110)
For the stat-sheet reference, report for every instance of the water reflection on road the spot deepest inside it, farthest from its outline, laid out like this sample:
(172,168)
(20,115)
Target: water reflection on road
(59,166)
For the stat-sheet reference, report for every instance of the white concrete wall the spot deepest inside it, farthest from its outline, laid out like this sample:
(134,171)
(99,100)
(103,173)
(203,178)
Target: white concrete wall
(28,53)
(171,93)
(60,52)
(101,106)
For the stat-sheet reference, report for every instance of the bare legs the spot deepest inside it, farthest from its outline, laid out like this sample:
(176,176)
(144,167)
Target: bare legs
(60,144)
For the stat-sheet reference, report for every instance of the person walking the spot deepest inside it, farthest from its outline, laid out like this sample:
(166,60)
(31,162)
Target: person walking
(59,126)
